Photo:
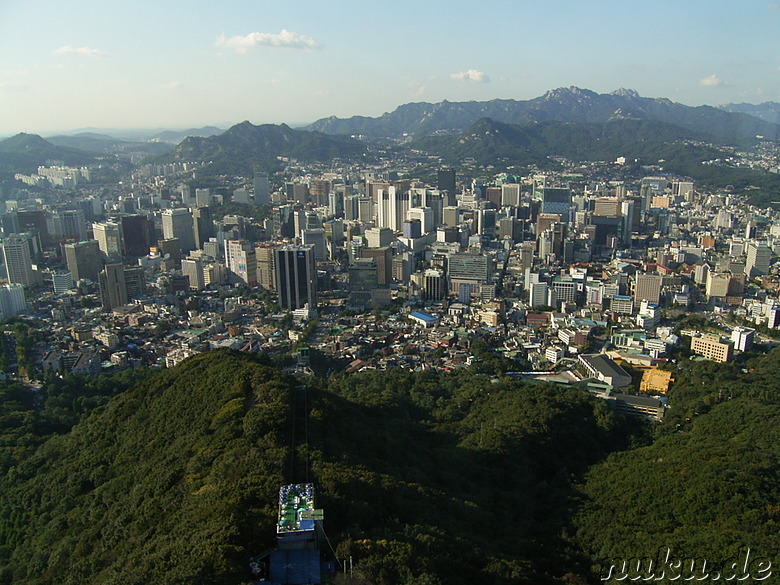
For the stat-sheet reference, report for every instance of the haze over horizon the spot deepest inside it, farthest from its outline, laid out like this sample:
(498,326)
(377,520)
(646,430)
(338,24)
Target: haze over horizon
(91,64)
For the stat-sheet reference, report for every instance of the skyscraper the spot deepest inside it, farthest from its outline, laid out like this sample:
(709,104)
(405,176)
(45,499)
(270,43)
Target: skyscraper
(84,260)
(241,261)
(204,226)
(12,300)
(18,260)
(192,268)
(109,237)
(296,276)
(265,267)
(177,223)
(113,292)
(137,235)
(556,200)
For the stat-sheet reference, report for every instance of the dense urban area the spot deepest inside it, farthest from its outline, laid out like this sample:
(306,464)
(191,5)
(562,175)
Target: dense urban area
(492,361)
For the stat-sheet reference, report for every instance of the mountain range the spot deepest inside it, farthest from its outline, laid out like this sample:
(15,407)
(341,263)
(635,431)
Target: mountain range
(559,105)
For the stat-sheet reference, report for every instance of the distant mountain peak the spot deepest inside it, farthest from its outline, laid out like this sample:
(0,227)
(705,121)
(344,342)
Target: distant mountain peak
(623,92)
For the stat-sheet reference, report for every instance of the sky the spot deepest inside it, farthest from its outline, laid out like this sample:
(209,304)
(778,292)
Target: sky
(70,65)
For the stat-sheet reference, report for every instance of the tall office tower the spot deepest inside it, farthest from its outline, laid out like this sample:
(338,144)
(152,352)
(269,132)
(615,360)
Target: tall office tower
(493,194)
(316,237)
(445,181)
(192,268)
(647,287)
(362,280)
(450,216)
(336,204)
(544,221)
(365,209)
(186,194)
(630,212)
(170,247)
(92,207)
(202,197)
(17,258)
(113,292)
(319,191)
(392,206)
(510,195)
(607,207)
(109,237)
(135,281)
(758,259)
(351,207)
(12,300)
(412,228)
(70,225)
(177,223)
(265,267)
(434,199)
(379,237)
(241,262)
(425,217)
(526,256)
(262,189)
(137,235)
(203,226)
(298,192)
(296,276)
(334,232)
(213,249)
(486,222)
(10,223)
(556,200)
(62,280)
(84,260)
(476,267)
(434,285)
(34,221)
(383,257)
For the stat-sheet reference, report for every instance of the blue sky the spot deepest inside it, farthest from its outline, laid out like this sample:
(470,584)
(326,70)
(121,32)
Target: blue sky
(175,64)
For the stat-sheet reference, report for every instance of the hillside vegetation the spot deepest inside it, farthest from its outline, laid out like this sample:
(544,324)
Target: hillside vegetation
(424,477)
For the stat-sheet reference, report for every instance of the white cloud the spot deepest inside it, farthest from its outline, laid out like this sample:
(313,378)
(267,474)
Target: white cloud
(470,75)
(172,85)
(711,81)
(284,40)
(81,51)
(418,91)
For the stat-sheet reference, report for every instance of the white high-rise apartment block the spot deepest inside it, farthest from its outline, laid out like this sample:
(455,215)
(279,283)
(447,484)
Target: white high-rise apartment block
(18,260)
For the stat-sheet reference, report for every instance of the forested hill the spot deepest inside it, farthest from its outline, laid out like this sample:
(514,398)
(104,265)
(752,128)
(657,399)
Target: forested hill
(453,478)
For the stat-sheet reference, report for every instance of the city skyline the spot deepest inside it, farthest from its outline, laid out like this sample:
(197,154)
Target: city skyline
(90,64)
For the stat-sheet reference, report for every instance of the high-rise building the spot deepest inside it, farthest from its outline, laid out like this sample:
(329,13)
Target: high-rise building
(296,276)
(137,234)
(383,258)
(362,280)
(135,282)
(265,267)
(203,225)
(34,220)
(556,200)
(113,291)
(647,287)
(262,189)
(12,300)
(177,223)
(17,258)
(316,237)
(759,256)
(241,261)
(84,260)
(192,268)
(109,237)
(62,281)
(170,247)
(70,225)
(434,285)
(445,181)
